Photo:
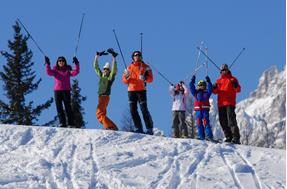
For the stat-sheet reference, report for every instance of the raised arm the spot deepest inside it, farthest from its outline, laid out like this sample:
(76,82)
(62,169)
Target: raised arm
(96,66)
(114,69)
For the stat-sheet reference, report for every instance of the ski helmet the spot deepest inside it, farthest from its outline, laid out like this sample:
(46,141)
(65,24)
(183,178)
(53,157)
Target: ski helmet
(201,83)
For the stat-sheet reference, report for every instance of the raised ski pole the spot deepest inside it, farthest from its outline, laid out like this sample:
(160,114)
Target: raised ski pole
(120,48)
(31,37)
(198,56)
(141,43)
(206,63)
(161,75)
(236,57)
(79,35)
(208,58)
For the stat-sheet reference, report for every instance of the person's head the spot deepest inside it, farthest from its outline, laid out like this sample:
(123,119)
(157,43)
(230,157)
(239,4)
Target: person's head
(224,69)
(137,56)
(179,87)
(61,62)
(106,69)
(201,84)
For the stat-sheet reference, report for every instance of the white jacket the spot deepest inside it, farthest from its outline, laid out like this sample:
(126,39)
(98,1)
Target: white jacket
(179,100)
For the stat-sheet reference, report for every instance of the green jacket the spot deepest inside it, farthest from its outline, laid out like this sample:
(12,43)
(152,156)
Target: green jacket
(105,83)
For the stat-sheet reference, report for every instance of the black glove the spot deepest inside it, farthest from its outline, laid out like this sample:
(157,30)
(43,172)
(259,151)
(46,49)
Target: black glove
(75,60)
(193,79)
(102,53)
(112,52)
(234,83)
(214,86)
(207,79)
(47,60)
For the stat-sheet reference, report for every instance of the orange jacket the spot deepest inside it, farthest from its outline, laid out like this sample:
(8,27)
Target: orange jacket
(137,69)
(226,90)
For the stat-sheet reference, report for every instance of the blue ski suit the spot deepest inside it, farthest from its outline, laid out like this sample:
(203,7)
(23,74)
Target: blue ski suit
(201,107)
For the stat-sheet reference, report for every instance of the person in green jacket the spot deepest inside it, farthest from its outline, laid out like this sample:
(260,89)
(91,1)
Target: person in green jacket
(107,77)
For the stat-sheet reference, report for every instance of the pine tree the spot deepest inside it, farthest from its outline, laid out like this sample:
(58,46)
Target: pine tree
(76,103)
(18,81)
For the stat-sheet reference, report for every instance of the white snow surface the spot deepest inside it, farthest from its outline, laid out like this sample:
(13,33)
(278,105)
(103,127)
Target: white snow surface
(44,157)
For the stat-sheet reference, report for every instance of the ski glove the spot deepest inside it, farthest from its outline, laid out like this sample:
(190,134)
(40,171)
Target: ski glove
(207,79)
(127,74)
(47,60)
(75,60)
(112,52)
(102,53)
(214,86)
(193,79)
(234,83)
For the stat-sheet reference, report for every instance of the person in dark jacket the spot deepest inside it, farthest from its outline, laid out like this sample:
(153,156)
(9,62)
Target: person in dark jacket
(226,88)
(62,87)
(136,76)
(202,106)
(107,77)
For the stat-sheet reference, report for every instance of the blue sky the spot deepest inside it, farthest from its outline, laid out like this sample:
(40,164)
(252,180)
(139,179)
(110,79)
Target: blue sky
(171,31)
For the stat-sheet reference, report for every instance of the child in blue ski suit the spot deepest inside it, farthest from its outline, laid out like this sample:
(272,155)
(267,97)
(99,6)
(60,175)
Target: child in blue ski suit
(201,107)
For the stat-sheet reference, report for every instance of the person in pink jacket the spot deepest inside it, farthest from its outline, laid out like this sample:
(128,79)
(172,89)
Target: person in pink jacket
(62,87)
(179,94)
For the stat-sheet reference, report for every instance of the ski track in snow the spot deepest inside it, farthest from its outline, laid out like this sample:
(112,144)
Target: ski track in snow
(34,157)
(242,171)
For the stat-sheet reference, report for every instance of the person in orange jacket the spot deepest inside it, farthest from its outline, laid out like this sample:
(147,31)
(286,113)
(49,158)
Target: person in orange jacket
(226,87)
(136,76)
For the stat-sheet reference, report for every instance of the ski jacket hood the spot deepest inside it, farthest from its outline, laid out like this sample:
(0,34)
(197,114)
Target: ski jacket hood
(137,70)
(226,91)
(62,76)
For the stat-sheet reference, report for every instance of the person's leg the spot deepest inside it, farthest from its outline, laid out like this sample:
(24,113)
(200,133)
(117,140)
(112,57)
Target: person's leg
(183,128)
(146,115)
(102,113)
(133,99)
(200,131)
(206,124)
(60,111)
(175,129)
(232,123)
(224,123)
(68,108)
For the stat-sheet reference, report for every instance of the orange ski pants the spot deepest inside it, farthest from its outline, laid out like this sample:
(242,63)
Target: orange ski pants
(101,113)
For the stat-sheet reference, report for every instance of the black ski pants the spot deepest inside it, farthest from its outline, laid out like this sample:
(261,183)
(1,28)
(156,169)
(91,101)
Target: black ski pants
(227,119)
(139,97)
(60,98)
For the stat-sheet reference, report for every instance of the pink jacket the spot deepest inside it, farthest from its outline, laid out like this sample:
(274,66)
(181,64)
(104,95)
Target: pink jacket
(62,76)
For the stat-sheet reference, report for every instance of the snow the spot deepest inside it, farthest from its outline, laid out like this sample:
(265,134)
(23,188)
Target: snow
(43,157)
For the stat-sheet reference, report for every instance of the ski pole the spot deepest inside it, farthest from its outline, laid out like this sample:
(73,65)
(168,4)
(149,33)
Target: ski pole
(120,48)
(79,35)
(195,71)
(29,35)
(141,43)
(197,59)
(236,58)
(206,63)
(208,58)
(161,75)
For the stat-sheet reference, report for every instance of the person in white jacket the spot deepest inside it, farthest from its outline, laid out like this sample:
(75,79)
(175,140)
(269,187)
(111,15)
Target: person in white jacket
(179,93)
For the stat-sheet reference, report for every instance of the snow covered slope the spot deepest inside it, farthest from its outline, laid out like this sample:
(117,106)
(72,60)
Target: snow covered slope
(42,157)
(262,116)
